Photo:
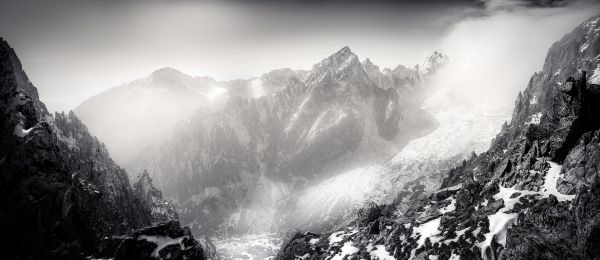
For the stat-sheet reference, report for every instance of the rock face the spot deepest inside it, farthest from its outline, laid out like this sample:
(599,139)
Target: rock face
(532,195)
(161,210)
(63,196)
(279,132)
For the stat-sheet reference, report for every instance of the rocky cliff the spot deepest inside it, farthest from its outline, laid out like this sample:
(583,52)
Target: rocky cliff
(161,210)
(532,195)
(63,196)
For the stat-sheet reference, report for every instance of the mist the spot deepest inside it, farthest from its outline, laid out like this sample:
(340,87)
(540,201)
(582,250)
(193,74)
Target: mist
(494,55)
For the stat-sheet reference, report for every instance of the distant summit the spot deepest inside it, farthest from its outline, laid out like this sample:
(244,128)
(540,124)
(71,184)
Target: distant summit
(145,111)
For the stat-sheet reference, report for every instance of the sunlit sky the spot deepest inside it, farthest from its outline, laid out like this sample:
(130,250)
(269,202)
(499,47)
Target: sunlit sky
(72,50)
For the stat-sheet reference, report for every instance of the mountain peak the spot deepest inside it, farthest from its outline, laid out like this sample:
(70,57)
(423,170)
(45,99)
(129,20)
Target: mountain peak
(434,62)
(341,59)
(144,177)
(345,49)
(169,78)
(344,53)
(167,72)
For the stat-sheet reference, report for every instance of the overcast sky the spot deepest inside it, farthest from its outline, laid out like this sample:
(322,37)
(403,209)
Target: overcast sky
(72,50)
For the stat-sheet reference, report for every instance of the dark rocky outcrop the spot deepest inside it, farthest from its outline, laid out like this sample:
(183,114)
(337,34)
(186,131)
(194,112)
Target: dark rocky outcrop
(167,240)
(63,196)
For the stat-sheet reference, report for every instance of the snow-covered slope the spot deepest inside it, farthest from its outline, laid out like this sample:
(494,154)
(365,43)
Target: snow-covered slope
(462,128)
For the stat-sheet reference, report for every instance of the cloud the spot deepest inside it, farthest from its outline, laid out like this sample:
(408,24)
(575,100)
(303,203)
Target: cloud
(494,55)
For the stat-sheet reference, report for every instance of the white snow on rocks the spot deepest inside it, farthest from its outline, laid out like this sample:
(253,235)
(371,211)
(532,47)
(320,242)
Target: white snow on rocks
(584,47)
(20,132)
(346,250)
(380,253)
(427,230)
(535,119)
(454,257)
(551,180)
(339,236)
(161,242)
(450,207)
(500,221)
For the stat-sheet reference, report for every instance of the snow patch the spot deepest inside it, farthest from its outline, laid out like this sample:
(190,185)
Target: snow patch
(550,181)
(501,220)
(346,250)
(454,257)
(161,242)
(584,47)
(450,207)
(339,236)
(20,132)
(380,253)
(427,230)
(535,119)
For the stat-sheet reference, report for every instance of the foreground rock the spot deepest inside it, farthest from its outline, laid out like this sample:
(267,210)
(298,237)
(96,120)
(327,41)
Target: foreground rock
(167,240)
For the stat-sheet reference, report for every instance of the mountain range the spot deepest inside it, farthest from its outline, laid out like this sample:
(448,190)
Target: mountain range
(534,194)
(265,150)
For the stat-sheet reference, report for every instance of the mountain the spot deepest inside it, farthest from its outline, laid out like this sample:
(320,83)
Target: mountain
(63,196)
(534,194)
(238,168)
(143,113)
